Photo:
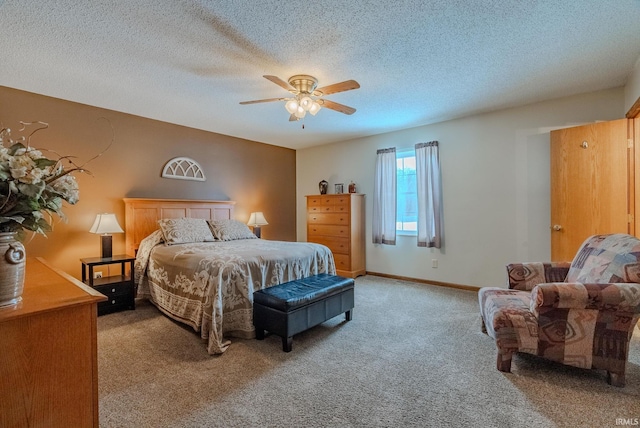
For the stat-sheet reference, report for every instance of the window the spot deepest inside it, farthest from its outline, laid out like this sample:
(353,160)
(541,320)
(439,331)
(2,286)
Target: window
(407,205)
(409,194)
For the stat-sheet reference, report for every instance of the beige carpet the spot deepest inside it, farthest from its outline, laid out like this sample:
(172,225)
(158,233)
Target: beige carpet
(412,356)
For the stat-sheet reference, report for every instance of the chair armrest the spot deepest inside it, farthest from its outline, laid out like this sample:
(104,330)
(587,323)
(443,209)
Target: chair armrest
(525,276)
(614,297)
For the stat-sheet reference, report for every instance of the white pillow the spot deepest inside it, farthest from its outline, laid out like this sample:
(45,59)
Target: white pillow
(185,230)
(230,230)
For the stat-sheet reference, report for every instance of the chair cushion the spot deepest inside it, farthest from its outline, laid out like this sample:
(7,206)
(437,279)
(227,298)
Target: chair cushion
(607,259)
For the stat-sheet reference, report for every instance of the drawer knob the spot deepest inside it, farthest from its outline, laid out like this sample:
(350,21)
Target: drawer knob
(113,302)
(113,290)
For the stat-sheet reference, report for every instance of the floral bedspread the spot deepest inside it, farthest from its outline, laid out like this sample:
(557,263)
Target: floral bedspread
(210,285)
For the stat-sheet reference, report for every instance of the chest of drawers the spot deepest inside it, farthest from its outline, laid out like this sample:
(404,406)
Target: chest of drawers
(337,221)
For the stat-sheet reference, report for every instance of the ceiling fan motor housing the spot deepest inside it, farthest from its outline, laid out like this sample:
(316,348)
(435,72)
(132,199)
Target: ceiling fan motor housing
(305,84)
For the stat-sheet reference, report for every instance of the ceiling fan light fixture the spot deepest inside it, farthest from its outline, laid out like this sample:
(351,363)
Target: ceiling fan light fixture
(300,112)
(315,108)
(292,106)
(306,103)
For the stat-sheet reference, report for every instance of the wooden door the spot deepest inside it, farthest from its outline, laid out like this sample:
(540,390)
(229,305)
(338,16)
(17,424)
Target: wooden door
(591,181)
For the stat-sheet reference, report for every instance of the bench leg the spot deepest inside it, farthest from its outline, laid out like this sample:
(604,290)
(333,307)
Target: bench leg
(347,315)
(615,379)
(259,333)
(286,343)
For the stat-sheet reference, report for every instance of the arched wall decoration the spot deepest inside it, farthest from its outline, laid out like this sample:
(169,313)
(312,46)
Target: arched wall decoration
(182,168)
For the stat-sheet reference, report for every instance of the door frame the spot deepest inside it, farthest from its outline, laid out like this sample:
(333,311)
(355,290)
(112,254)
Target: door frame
(634,140)
(634,111)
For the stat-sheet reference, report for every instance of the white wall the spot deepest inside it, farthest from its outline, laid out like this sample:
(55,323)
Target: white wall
(495,173)
(632,88)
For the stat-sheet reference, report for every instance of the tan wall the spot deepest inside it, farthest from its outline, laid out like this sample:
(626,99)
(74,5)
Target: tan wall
(259,177)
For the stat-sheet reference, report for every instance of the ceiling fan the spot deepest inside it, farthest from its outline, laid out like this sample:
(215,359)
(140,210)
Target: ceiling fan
(308,98)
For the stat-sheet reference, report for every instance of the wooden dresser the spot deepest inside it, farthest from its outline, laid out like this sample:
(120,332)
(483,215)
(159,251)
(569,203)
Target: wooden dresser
(337,221)
(48,352)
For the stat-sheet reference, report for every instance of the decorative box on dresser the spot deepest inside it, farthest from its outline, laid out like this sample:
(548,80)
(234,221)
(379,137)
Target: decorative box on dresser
(337,221)
(48,352)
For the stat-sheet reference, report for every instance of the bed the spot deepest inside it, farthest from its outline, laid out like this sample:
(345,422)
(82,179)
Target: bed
(207,280)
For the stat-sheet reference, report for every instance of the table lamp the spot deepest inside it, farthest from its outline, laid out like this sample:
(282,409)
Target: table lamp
(104,225)
(256,220)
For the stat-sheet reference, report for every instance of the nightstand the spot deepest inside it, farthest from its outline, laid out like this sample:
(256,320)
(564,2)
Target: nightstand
(119,289)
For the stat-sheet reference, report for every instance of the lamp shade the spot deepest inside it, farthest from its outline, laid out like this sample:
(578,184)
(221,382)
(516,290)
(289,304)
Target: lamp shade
(315,108)
(106,223)
(257,219)
(291,106)
(306,103)
(300,112)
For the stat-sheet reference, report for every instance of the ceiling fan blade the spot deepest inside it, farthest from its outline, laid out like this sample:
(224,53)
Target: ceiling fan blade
(336,106)
(267,100)
(347,85)
(278,81)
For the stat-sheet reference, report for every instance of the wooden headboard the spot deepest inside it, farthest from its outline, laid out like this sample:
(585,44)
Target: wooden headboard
(142,215)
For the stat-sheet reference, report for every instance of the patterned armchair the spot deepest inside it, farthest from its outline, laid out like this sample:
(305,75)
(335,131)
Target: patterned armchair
(581,313)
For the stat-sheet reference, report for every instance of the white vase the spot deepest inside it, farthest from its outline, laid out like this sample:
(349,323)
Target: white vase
(12,265)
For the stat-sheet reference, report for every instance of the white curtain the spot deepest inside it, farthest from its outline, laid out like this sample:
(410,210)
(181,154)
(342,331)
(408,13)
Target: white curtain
(384,198)
(429,195)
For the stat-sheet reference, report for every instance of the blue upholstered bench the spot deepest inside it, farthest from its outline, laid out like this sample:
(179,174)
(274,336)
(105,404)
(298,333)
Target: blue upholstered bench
(292,307)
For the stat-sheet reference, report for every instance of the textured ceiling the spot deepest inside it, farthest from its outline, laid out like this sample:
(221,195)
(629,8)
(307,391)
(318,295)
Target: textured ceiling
(417,61)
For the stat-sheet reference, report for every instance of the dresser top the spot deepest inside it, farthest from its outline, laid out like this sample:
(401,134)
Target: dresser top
(47,288)
(334,194)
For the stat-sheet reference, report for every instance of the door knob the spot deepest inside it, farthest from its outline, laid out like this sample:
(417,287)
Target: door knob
(557,227)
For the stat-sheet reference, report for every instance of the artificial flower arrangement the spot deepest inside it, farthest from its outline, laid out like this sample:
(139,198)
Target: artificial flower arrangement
(32,186)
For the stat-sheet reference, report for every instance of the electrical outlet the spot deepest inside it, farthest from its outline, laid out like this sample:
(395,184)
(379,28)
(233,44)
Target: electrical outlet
(97,274)
(434,263)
